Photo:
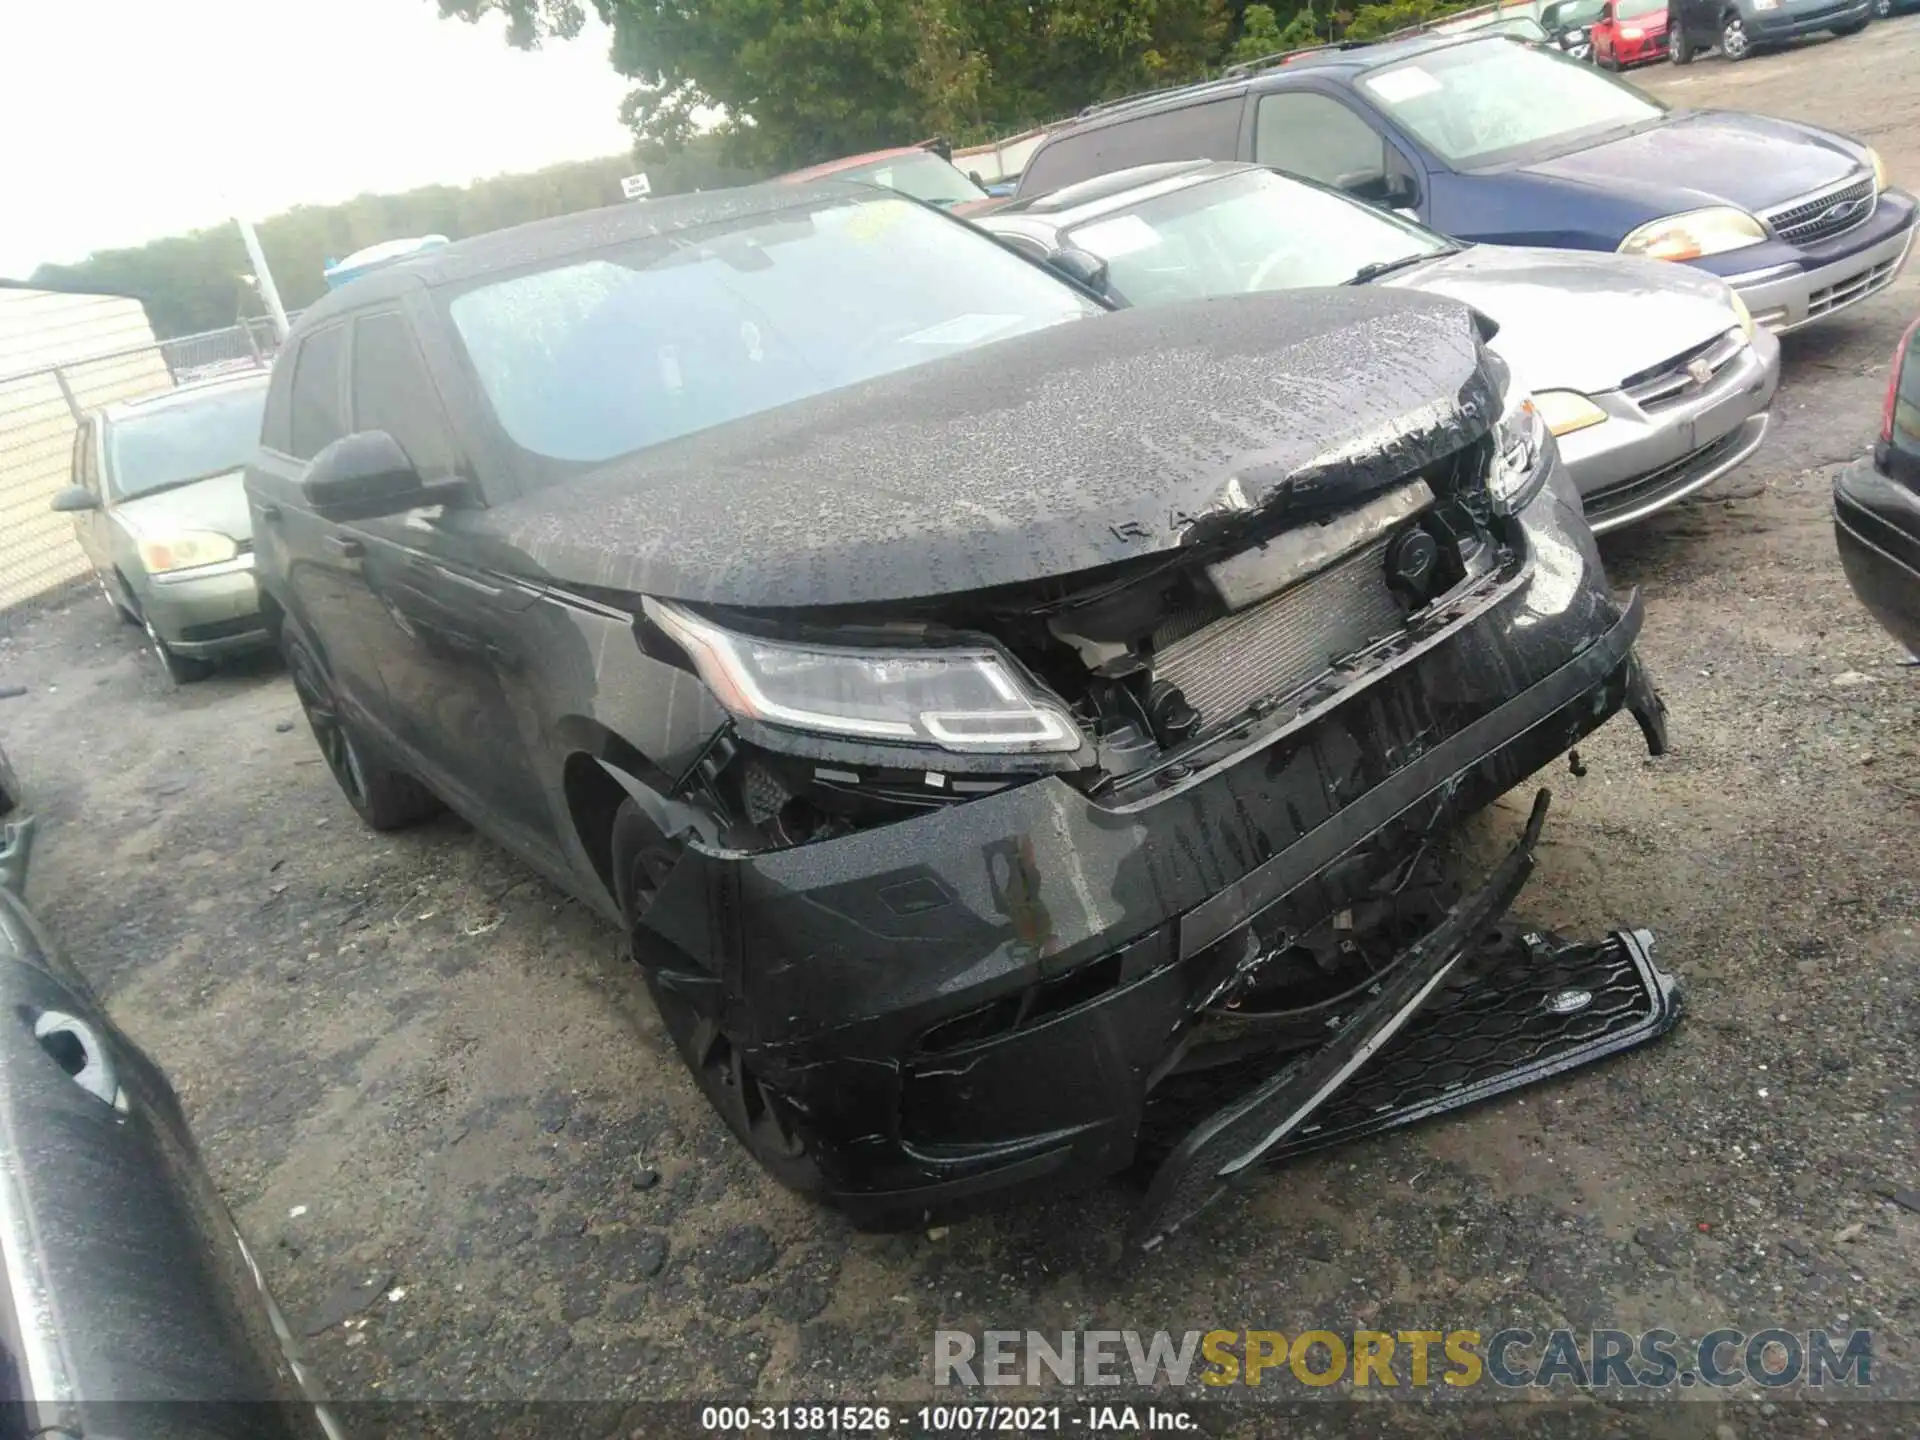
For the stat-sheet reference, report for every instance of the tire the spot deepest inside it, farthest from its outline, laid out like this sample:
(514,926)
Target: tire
(1734,42)
(1882,9)
(1680,51)
(385,798)
(181,669)
(641,858)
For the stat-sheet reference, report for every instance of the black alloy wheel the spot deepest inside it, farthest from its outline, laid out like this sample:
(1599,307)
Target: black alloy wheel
(385,798)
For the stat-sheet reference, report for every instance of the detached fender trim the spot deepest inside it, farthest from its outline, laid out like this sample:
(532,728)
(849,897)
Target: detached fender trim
(672,817)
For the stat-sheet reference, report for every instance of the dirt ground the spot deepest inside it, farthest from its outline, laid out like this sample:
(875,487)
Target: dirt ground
(421,1074)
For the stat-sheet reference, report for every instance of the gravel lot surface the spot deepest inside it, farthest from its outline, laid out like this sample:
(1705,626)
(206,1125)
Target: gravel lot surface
(414,1067)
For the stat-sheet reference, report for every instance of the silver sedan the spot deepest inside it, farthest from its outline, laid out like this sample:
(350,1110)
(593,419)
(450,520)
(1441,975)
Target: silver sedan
(1652,376)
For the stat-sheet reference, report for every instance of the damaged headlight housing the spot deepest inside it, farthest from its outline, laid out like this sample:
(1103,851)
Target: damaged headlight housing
(1522,447)
(971,700)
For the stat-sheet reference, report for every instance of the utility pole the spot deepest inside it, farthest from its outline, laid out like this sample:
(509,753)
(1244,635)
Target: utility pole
(268,292)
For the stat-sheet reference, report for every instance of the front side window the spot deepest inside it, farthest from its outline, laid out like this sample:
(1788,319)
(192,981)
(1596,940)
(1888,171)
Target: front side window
(392,392)
(1477,103)
(1254,231)
(1318,137)
(924,176)
(611,352)
(177,442)
(317,421)
(1208,131)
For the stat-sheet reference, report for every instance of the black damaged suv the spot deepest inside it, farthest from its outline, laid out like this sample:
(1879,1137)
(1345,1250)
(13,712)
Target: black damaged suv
(1012,734)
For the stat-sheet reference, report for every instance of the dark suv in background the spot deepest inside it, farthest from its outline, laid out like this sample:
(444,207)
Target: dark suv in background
(1488,139)
(1738,27)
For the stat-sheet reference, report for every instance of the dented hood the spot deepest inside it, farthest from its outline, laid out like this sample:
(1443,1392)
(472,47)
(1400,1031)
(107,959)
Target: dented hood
(1096,441)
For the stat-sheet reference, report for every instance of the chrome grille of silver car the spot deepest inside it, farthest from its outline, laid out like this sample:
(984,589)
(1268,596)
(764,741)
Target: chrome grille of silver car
(1281,644)
(1824,214)
(1685,375)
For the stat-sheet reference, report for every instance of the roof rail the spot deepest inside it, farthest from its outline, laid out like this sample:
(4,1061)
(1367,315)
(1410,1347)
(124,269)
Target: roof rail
(1120,102)
(1281,57)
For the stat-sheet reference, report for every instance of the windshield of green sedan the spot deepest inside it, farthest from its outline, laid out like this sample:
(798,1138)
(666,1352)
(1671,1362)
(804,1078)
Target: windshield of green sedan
(632,346)
(1477,103)
(1252,231)
(179,441)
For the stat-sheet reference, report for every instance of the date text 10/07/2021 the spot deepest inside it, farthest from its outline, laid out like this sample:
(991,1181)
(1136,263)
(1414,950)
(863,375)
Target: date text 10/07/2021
(943,1419)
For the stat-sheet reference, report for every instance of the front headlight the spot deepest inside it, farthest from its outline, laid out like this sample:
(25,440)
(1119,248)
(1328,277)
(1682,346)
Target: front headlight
(1566,411)
(1711,231)
(1879,170)
(185,550)
(1741,313)
(1523,450)
(974,700)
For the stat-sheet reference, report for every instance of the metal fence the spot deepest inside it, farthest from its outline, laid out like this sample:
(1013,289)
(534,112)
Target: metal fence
(40,412)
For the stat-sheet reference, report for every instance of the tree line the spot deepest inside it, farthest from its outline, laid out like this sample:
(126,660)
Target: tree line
(729,91)
(199,281)
(794,82)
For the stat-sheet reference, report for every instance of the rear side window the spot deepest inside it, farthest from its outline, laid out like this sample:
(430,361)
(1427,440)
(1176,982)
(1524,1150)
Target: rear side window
(317,421)
(1318,137)
(392,392)
(1209,131)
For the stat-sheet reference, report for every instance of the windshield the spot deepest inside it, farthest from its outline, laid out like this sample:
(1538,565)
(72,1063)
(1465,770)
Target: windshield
(1570,13)
(923,176)
(1473,103)
(635,345)
(183,440)
(1247,232)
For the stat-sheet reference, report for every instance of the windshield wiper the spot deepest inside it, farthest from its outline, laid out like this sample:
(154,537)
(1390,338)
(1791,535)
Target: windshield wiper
(1374,269)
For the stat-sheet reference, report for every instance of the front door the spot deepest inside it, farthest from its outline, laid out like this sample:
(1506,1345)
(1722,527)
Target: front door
(449,623)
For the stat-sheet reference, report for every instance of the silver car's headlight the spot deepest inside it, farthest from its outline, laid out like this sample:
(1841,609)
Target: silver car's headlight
(1711,231)
(1523,450)
(972,700)
(185,550)
(1879,169)
(1566,411)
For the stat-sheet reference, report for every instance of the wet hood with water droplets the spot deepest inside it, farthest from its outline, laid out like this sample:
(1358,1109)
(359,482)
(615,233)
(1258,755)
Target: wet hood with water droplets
(1096,441)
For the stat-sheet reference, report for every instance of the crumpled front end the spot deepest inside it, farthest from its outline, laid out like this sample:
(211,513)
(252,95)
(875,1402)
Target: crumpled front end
(1005,979)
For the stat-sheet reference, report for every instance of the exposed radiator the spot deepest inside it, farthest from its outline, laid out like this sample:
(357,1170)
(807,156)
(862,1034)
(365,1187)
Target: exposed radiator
(1280,644)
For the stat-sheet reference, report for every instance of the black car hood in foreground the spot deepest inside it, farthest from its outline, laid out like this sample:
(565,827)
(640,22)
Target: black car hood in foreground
(1095,441)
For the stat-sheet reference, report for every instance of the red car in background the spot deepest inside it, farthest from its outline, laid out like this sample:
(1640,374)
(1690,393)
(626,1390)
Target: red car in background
(921,171)
(1629,32)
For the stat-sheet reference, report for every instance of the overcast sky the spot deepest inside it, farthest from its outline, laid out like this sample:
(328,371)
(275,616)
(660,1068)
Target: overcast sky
(124,120)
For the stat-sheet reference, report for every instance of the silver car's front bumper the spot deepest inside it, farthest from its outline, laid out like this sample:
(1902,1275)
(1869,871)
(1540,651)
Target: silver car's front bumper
(1787,296)
(206,612)
(1644,459)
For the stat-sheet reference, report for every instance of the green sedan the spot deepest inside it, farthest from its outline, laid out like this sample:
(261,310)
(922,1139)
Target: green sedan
(159,510)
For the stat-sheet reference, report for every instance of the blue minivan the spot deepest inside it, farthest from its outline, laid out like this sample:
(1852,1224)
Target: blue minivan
(1487,139)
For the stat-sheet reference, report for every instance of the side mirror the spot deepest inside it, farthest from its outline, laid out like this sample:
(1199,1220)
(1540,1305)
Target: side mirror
(1082,267)
(1397,193)
(75,498)
(360,476)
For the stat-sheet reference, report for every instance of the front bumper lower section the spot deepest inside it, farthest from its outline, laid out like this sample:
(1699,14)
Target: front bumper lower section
(989,995)
(1467,1013)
